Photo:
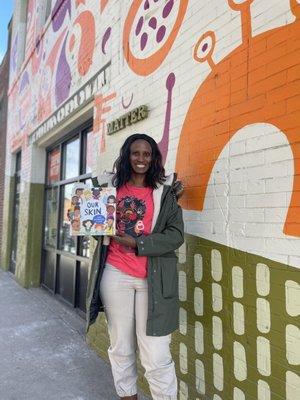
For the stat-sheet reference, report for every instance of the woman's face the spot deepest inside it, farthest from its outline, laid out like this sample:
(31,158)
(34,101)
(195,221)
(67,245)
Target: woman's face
(140,156)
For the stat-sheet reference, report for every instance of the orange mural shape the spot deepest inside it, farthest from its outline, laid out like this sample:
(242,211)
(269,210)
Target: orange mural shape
(258,82)
(100,109)
(86,21)
(46,84)
(147,65)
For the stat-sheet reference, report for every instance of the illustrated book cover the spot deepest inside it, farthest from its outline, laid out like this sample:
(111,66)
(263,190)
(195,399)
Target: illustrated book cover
(92,211)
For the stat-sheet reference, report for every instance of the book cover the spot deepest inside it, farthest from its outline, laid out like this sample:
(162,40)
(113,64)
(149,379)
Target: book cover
(92,211)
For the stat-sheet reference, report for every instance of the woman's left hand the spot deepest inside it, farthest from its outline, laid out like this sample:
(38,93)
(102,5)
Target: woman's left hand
(125,240)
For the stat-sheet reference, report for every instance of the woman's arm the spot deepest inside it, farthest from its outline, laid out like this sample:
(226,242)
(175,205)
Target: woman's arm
(172,237)
(157,244)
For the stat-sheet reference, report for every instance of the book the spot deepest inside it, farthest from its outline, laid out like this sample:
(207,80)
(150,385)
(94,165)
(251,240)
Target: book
(92,211)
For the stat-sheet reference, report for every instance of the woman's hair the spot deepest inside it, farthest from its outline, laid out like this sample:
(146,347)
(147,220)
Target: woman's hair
(122,167)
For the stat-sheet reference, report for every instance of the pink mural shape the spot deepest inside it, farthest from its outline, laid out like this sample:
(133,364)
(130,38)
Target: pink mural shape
(59,12)
(31,26)
(103,4)
(78,2)
(37,56)
(87,42)
(164,143)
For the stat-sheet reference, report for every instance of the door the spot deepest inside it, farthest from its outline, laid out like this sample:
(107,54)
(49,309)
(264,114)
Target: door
(64,268)
(15,222)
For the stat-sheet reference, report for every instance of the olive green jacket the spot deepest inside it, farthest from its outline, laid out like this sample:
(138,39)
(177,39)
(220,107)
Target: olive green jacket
(166,236)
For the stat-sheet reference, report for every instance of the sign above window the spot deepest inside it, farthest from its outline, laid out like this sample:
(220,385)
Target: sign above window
(132,117)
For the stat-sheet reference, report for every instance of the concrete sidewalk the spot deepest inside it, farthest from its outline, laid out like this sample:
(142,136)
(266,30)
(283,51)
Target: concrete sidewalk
(43,353)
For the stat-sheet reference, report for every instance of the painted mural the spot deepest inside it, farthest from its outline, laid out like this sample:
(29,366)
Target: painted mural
(52,52)
(222,82)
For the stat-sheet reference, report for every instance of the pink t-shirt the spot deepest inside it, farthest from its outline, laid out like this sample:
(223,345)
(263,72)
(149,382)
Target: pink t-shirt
(134,217)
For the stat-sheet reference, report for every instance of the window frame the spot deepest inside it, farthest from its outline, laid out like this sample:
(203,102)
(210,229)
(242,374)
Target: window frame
(80,132)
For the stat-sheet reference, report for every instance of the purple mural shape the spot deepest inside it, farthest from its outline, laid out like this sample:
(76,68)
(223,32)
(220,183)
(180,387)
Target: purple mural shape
(105,38)
(24,81)
(144,39)
(59,13)
(168,8)
(14,52)
(63,77)
(152,23)
(24,99)
(164,143)
(204,47)
(160,34)
(139,26)
(129,103)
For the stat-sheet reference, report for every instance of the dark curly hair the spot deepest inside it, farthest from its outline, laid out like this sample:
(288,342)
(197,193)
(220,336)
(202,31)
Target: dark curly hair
(122,168)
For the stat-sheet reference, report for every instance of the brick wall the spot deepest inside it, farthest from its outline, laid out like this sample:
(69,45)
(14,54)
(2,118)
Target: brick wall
(221,80)
(4,70)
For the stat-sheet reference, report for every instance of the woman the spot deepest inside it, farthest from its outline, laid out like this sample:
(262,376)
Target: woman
(134,277)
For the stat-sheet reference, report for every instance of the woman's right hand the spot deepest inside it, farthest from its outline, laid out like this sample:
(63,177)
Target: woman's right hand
(125,240)
(178,189)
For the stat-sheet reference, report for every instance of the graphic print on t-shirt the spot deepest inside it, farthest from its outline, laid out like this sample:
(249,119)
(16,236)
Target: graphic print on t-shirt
(134,214)
(130,215)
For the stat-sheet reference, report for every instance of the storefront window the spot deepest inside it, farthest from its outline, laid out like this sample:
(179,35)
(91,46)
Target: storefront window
(71,159)
(89,151)
(50,236)
(66,241)
(54,166)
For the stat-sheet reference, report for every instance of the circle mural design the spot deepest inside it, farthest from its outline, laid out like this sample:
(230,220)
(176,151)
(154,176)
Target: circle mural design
(205,47)
(160,23)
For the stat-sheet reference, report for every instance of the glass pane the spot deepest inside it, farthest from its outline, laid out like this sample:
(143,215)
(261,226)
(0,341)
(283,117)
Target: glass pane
(84,248)
(18,162)
(71,159)
(53,166)
(89,152)
(50,234)
(66,241)
(85,241)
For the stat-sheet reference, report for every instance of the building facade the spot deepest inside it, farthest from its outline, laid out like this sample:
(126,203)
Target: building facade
(4,76)
(217,85)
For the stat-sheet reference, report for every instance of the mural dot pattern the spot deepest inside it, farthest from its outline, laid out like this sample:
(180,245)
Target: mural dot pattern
(229,303)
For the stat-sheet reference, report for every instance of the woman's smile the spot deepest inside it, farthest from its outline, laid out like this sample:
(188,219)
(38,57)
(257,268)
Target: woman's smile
(140,156)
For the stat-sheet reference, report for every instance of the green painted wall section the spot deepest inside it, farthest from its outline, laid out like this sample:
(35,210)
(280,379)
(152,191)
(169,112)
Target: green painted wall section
(248,303)
(239,315)
(7,223)
(30,235)
(29,231)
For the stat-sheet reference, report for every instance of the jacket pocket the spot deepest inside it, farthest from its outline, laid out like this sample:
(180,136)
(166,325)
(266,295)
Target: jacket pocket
(169,277)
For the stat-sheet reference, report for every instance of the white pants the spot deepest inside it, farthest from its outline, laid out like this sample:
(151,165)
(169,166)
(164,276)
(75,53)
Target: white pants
(126,306)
